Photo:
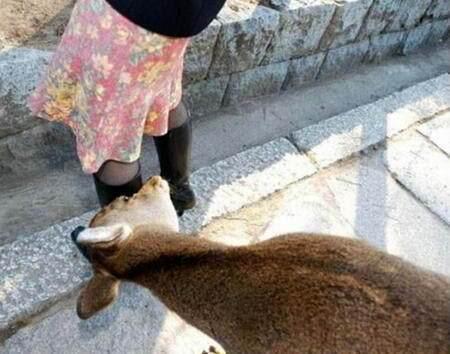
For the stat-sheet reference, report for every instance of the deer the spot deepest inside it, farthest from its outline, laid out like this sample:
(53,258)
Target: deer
(295,293)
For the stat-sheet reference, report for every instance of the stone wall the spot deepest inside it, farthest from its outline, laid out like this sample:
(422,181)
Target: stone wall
(250,50)
(254,50)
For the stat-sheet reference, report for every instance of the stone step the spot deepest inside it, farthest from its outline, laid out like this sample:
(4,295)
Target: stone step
(40,270)
(40,177)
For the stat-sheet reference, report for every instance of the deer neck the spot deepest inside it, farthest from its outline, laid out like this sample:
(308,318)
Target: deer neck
(179,269)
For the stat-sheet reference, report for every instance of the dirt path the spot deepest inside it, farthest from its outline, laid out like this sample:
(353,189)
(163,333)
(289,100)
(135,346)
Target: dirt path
(33,23)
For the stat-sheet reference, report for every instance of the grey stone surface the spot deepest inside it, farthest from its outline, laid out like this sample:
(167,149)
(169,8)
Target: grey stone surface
(280,5)
(439,8)
(136,323)
(40,269)
(380,15)
(48,145)
(307,206)
(30,206)
(346,23)
(343,59)
(438,131)
(246,32)
(423,169)
(303,70)
(205,96)
(262,81)
(426,34)
(338,137)
(301,28)
(386,45)
(200,52)
(383,213)
(408,15)
(20,71)
(244,178)
(37,271)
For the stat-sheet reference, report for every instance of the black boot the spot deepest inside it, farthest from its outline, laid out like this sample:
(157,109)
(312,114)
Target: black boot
(107,193)
(174,154)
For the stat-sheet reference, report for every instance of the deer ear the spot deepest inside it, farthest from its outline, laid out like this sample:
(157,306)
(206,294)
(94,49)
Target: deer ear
(104,236)
(100,292)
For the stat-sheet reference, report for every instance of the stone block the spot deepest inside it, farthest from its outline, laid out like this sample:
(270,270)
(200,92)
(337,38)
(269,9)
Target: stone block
(422,169)
(20,71)
(301,28)
(341,60)
(246,32)
(205,96)
(303,70)
(426,34)
(280,5)
(439,9)
(136,323)
(262,81)
(346,23)
(409,14)
(380,15)
(438,131)
(200,52)
(386,45)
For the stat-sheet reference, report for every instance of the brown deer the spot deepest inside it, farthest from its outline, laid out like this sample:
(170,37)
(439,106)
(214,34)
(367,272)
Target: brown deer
(298,293)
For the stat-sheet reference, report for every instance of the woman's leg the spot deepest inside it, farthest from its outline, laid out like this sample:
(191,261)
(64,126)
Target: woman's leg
(115,179)
(174,153)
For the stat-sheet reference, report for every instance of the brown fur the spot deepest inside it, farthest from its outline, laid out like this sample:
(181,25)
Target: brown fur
(296,293)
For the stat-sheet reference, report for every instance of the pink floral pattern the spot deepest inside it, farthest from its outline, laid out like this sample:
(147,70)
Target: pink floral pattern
(111,82)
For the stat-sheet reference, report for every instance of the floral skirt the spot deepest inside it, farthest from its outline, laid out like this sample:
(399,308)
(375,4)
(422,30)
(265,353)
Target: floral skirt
(111,82)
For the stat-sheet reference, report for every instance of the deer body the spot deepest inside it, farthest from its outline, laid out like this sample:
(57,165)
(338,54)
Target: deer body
(293,294)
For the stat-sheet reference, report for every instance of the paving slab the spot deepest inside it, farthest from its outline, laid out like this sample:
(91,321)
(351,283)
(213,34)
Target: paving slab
(438,131)
(353,131)
(136,323)
(389,217)
(423,169)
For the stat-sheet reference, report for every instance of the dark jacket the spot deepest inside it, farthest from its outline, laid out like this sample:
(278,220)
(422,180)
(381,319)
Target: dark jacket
(174,18)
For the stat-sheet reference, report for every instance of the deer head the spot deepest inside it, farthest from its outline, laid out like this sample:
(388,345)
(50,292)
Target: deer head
(110,233)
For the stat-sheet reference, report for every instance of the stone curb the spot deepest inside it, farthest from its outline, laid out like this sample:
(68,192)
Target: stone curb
(341,136)
(40,269)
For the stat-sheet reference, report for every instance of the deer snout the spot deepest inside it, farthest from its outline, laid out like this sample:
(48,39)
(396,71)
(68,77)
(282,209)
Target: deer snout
(155,183)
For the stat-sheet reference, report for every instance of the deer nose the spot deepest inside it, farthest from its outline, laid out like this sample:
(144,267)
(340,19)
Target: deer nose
(74,236)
